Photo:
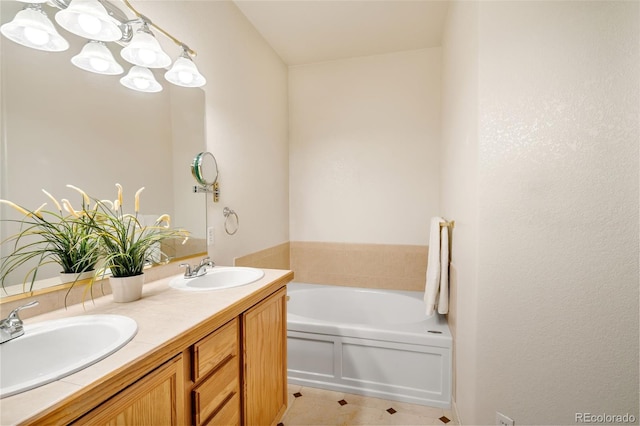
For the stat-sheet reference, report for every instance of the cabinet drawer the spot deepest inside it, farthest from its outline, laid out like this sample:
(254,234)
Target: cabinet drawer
(229,414)
(210,352)
(218,389)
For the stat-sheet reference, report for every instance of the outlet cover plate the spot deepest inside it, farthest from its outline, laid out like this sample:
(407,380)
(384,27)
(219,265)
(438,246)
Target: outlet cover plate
(502,420)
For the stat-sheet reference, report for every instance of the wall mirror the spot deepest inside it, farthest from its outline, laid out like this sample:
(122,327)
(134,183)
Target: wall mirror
(204,169)
(62,125)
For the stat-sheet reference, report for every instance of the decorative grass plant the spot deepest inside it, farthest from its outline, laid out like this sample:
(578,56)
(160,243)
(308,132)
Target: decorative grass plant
(46,237)
(126,244)
(99,231)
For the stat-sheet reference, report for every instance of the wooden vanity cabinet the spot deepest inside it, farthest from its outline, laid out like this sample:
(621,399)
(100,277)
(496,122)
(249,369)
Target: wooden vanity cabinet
(217,365)
(216,377)
(264,344)
(235,375)
(156,399)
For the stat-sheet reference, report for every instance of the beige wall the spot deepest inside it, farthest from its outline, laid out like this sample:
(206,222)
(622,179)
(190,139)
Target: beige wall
(364,138)
(549,326)
(246,112)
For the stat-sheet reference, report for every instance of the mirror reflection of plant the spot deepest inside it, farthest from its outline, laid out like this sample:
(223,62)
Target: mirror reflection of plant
(125,243)
(48,237)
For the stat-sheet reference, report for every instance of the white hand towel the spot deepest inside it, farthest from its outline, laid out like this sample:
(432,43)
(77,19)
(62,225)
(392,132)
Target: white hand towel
(443,297)
(433,267)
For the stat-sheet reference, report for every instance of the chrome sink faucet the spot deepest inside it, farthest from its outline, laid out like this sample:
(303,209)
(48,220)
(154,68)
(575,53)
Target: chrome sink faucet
(12,326)
(197,270)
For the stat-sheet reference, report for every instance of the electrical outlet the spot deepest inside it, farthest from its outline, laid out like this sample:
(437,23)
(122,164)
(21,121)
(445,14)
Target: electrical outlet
(210,236)
(502,420)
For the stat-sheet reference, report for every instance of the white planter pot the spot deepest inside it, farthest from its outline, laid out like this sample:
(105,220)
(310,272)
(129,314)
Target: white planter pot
(72,277)
(126,289)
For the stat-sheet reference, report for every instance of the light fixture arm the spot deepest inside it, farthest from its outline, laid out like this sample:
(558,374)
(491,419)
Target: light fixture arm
(125,22)
(149,22)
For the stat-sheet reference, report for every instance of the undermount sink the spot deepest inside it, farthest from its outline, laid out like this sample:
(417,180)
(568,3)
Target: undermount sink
(54,349)
(218,278)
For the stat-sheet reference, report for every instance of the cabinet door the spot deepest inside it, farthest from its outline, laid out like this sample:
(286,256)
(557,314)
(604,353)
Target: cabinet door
(264,334)
(156,399)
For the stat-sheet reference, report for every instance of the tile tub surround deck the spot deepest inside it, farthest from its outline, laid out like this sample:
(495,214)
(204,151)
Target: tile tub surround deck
(390,266)
(276,257)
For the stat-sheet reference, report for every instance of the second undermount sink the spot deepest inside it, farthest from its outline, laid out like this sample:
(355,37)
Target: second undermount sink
(54,349)
(218,278)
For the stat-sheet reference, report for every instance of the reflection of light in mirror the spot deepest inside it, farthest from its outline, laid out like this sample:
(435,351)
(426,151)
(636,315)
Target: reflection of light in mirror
(185,77)
(141,83)
(146,56)
(36,36)
(89,24)
(99,64)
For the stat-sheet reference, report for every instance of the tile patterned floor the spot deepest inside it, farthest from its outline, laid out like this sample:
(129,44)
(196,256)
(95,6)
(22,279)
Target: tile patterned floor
(311,407)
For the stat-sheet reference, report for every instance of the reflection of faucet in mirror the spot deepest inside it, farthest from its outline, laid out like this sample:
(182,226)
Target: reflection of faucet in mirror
(79,146)
(197,270)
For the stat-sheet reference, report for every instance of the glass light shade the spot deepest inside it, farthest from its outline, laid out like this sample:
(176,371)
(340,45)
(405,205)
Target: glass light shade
(185,73)
(145,51)
(96,57)
(89,19)
(32,28)
(141,79)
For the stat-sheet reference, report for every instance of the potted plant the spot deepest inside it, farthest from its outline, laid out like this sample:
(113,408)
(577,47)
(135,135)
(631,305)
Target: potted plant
(126,244)
(46,237)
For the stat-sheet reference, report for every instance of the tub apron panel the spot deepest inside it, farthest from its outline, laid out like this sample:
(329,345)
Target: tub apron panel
(404,366)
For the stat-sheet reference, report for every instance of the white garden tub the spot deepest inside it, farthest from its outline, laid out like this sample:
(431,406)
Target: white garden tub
(371,342)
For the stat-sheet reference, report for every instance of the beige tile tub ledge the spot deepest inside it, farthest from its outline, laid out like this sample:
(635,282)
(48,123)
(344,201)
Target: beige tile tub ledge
(162,314)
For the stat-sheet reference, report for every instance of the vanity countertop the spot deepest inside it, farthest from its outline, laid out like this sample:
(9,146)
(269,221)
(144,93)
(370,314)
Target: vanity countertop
(163,315)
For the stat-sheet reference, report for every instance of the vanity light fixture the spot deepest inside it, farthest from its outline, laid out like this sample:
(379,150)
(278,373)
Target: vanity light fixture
(141,79)
(89,19)
(32,28)
(144,50)
(96,57)
(101,21)
(184,72)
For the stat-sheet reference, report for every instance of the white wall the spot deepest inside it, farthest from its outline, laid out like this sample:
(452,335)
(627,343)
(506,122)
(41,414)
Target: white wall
(246,112)
(459,165)
(364,137)
(556,304)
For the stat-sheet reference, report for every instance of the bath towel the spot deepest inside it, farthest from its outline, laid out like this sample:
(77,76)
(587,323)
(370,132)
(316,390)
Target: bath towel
(436,292)
(443,296)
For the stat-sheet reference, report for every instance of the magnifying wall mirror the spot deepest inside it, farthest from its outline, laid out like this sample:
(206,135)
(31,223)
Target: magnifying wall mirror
(205,169)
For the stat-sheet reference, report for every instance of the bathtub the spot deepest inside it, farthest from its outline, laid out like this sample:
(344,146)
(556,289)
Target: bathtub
(370,342)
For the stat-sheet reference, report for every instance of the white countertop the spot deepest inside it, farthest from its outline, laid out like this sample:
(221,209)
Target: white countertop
(161,314)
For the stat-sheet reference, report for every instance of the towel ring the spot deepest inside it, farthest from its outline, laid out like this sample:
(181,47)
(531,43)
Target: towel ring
(227,212)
